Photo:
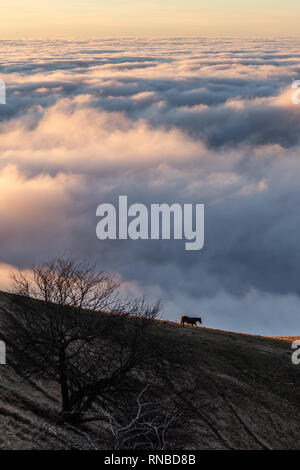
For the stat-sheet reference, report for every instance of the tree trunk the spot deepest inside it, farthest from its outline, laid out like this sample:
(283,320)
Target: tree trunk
(64,387)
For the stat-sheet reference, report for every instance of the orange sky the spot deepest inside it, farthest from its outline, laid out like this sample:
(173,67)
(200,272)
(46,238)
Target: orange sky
(98,18)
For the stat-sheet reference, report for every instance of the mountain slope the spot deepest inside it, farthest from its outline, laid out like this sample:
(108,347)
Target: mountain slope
(246,392)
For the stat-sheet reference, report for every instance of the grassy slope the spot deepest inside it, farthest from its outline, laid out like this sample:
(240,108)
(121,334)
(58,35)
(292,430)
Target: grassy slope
(247,394)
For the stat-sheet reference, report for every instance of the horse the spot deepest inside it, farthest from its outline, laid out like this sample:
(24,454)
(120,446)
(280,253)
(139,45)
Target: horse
(190,320)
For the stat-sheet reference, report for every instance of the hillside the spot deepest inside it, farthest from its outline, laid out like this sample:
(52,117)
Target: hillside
(246,396)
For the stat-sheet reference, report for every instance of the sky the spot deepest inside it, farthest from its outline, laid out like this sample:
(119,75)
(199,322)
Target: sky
(160,120)
(158,18)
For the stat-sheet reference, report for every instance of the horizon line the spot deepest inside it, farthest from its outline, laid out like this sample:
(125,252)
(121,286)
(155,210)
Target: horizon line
(99,38)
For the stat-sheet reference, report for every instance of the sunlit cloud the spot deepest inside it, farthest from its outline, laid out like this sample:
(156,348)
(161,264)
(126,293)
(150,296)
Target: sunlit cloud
(184,121)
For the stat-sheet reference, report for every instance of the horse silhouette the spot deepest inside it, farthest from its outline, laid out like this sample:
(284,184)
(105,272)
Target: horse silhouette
(190,320)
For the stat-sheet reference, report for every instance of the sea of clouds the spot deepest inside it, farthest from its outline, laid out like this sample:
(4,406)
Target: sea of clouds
(182,120)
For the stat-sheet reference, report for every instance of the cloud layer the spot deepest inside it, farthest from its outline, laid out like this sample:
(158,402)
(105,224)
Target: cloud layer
(198,120)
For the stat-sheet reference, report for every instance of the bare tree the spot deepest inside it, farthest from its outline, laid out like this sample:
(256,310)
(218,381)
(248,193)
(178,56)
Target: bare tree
(71,327)
(152,425)
(69,282)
